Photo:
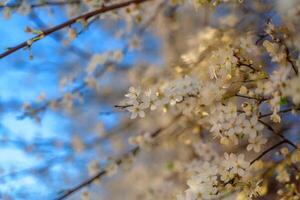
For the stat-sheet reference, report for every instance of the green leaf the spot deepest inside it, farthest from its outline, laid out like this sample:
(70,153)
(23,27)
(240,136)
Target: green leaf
(283,101)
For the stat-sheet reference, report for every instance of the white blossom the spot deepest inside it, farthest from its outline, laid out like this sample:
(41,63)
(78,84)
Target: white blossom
(255,143)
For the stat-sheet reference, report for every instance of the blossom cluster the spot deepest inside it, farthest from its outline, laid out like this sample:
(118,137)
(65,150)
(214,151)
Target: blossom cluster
(209,179)
(172,94)
(227,94)
(231,126)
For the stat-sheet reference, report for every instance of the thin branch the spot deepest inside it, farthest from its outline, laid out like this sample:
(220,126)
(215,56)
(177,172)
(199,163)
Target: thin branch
(268,150)
(85,16)
(42,4)
(89,181)
(278,134)
(143,28)
(32,112)
(118,162)
(281,111)
(254,98)
(123,106)
(289,59)
(58,37)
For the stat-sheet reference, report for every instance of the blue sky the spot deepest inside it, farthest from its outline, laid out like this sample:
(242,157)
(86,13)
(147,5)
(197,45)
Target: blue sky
(22,81)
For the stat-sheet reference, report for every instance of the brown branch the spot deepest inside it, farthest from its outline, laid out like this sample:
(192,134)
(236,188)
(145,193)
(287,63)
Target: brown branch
(268,150)
(85,16)
(289,59)
(123,106)
(43,4)
(33,111)
(254,98)
(118,162)
(89,181)
(278,134)
(281,111)
(58,37)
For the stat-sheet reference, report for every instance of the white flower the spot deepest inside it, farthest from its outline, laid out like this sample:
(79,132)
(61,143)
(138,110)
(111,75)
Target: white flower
(204,183)
(226,176)
(134,93)
(136,110)
(247,44)
(253,127)
(172,96)
(221,63)
(236,164)
(150,99)
(276,51)
(255,143)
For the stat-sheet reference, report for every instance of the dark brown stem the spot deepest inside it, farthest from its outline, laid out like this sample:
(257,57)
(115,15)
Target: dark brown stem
(278,134)
(43,4)
(85,16)
(289,59)
(118,162)
(281,111)
(43,107)
(268,150)
(89,181)
(123,106)
(254,98)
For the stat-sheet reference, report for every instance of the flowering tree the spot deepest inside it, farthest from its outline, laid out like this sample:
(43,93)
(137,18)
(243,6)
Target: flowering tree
(212,113)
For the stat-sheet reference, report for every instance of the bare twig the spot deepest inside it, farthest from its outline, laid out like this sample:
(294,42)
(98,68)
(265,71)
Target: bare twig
(43,4)
(89,181)
(268,150)
(85,16)
(254,98)
(278,134)
(289,59)
(118,162)
(281,111)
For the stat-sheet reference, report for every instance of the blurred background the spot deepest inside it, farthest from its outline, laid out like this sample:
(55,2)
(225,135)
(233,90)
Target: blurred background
(40,154)
(58,122)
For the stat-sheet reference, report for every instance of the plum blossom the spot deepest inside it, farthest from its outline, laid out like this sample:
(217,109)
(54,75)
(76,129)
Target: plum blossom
(255,143)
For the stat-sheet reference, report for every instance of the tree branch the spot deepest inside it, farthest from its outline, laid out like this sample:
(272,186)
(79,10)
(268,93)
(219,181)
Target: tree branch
(85,16)
(268,150)
(89,181)
(43,4)
(289,59)
(77,89)
(281,111)
(118,162)
(278,134)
